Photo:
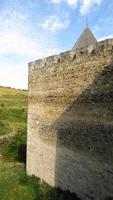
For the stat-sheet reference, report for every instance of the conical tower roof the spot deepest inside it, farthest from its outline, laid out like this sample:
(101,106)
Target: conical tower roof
(87,38)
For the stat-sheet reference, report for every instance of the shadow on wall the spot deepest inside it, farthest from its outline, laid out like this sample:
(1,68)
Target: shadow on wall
(84,150)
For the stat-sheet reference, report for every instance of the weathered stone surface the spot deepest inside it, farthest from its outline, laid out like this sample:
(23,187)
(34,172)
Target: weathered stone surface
(70,121)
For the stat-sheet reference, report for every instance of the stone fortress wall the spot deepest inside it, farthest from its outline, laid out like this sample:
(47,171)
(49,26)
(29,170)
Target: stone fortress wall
(70,120)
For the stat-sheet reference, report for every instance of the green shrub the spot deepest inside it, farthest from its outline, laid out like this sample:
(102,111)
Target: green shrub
(23,178)
(51,194)
(37,187)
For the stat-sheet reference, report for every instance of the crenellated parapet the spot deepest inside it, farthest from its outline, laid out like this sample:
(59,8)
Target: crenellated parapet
(70,56)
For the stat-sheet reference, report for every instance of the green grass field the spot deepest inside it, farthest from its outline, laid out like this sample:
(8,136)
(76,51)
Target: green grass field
(13,117)
(13,110)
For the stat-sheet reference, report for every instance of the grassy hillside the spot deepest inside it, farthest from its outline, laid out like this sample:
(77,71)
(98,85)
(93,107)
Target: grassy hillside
(13,110)
(13,120)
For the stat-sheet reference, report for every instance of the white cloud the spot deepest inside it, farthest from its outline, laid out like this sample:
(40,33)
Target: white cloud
(85,5)
(99,28)
(14,42)
(11,19)
(19,46)
(72,2)
(13,38)
(14,75)
(54,23)
(69,2)
(56,1)
(16,35)
(105,37)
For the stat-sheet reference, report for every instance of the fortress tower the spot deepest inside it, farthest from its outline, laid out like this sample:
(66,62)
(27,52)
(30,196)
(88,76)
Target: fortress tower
(86,39)
(70,119)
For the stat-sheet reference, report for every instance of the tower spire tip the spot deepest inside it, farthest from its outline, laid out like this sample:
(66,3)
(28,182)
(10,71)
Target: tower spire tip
(86,21)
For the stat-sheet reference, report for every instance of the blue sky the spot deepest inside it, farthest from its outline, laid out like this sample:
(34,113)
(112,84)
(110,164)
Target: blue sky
(33,29)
